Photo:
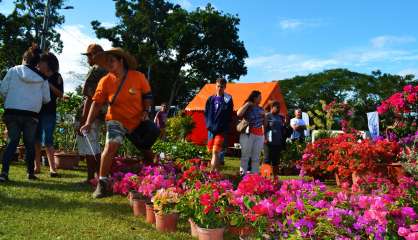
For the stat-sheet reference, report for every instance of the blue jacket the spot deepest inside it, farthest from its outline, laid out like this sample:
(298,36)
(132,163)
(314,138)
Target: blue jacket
(219,122)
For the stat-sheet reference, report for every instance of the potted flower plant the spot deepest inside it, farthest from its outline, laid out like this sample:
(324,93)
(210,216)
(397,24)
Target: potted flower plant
(166,214)
(65,132)
(210,210)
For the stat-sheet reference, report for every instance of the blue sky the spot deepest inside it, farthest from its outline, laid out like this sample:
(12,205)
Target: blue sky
(284,38)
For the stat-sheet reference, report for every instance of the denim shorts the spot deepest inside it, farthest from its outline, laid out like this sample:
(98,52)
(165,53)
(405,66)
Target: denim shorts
(45,129)
(115,132)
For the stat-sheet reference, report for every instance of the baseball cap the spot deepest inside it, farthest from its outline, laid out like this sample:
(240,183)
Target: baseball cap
(93,48)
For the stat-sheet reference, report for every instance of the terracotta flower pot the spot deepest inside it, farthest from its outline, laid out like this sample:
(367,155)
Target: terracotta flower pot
(66,160)
(210,234)
(166,222)
(133,195)
(150,215)
(193,228)
(243,231)
(138,207)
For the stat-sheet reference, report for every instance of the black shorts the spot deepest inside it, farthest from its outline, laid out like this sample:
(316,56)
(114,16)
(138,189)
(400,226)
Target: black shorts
(272,154)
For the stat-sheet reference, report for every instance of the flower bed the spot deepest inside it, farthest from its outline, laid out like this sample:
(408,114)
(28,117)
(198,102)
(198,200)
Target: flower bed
(348,154)
(296,209)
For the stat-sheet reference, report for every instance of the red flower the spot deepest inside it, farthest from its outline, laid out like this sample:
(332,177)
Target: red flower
(205,199)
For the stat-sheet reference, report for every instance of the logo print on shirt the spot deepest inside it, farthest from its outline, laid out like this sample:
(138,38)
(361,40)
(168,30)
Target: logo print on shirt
(132,91)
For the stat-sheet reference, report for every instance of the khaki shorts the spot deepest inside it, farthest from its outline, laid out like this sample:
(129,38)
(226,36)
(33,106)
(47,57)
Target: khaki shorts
(115,132)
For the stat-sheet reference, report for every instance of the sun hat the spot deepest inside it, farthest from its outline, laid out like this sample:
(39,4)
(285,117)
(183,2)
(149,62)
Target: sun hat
(102,58)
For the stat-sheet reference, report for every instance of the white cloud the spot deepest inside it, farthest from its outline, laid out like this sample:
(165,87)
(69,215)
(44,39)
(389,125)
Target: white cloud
(280,66)
(291,24)
(286,65)
(387,40)
(72,63)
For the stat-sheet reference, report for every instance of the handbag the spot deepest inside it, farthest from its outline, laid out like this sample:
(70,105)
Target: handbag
(242,125)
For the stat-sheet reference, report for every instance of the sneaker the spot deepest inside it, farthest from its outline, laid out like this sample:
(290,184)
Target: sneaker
(102,189)
(53,174)
(4,177)
(32,177)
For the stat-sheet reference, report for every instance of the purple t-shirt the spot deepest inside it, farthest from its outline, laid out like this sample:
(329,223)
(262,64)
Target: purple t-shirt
(217,101)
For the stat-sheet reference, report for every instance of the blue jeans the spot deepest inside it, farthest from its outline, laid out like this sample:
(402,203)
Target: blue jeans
(17,124)
(45,130)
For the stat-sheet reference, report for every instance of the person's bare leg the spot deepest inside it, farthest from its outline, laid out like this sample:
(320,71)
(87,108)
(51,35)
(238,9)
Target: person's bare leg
(38,149)
(50,155)
(109,152)
(215,160)
(103,187)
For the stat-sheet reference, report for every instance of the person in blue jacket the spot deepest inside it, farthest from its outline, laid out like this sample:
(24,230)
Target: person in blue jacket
(218,115)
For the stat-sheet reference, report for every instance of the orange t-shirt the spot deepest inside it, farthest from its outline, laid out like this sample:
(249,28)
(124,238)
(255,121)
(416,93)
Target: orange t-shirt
(127,107)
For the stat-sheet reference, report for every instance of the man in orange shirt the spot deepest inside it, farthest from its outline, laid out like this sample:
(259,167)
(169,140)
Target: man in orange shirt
(129,96)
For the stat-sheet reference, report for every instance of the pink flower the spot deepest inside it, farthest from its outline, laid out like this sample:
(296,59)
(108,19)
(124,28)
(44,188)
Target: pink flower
(408,88)
(408,212)
(412,236)
(403,231)
(299,205)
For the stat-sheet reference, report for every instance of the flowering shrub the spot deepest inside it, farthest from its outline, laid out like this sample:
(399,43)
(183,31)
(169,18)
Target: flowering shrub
(346,154)
(208,204)
(127,182)
(399,111)
(155,178)
(358,156)
(294,209)
(165,200)
(333,115)
(196,173)
(244,200)
(315,159)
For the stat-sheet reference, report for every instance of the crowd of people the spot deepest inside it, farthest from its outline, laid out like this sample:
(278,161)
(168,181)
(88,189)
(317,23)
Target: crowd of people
(118,96)
(260,129)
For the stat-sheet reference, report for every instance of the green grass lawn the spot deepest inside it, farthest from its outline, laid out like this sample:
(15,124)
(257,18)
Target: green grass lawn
(62,208)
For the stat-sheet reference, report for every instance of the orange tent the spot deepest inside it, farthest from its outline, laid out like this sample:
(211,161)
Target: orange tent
(239,92)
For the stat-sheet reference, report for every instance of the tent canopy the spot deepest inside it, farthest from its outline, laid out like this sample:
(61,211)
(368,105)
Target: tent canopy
(239,93)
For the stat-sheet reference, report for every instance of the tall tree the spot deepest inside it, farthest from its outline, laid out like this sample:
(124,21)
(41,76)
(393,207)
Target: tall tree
(23,26)
(183,50)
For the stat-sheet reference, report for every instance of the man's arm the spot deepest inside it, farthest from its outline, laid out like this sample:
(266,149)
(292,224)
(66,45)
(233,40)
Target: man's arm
(293,125)
(94,111)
